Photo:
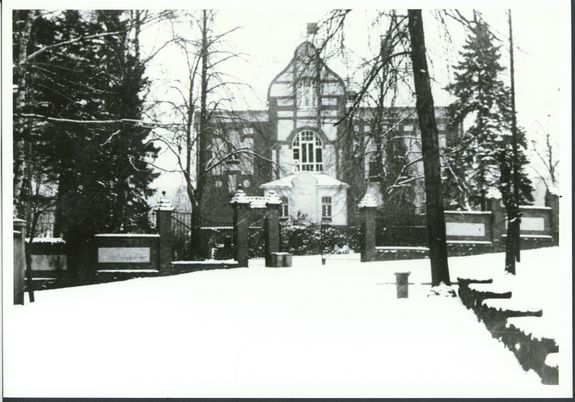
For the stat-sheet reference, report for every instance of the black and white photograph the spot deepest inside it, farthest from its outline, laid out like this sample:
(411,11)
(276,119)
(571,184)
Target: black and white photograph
(293,199)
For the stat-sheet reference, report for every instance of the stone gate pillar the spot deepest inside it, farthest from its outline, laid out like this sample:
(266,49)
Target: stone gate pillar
(552,201)
(368,206)
(19,259)
(272,227)
(164,228)
(498,219)
(241,205)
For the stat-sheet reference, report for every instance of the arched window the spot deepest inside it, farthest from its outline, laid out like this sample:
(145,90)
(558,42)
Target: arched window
(307,152)
(284,211)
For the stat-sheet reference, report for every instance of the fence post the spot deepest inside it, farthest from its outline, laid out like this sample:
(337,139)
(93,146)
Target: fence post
(272,227)
(552,201)
(368,205)
(241,204)
(164,227)
(498,219)
(19,259)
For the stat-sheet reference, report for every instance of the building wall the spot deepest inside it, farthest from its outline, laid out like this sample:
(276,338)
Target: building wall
(249,171)
(304,199)
(306,95)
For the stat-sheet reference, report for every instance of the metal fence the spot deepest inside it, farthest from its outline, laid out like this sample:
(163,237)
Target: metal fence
(181,235)
(44,225)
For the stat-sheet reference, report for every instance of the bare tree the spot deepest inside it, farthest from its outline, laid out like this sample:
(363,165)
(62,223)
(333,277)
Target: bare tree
(548,156)
(404,41)
(203,112)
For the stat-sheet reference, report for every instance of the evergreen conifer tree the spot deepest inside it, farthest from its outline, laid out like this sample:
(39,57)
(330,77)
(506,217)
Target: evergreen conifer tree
(100,170)
(475,160)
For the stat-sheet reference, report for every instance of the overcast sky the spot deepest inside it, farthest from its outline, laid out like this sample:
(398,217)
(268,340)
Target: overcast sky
(268,37)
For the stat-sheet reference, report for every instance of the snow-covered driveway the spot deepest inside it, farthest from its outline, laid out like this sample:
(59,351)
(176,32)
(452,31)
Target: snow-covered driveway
(310,330)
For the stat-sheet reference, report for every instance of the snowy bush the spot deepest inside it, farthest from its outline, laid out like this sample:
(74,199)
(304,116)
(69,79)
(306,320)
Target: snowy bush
(320,239)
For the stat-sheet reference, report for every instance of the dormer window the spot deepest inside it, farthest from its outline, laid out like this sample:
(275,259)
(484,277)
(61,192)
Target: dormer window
(306,94)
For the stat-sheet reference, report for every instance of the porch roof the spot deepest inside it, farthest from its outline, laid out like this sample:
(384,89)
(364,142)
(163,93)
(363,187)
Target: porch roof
(322,179)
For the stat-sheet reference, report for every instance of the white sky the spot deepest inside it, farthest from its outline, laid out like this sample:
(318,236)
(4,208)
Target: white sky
(269,37)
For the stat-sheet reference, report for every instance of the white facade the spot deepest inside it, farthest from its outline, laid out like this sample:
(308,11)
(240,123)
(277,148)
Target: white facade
(316,197)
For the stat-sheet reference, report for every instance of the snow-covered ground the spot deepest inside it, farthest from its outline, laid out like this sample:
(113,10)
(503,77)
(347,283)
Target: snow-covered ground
(335,330)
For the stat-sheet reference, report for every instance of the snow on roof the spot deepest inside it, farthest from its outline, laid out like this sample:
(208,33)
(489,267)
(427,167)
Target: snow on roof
(127,235)
(468,212)
(322,179)
(493,193)
(368,201)
(553,189)
(52,240)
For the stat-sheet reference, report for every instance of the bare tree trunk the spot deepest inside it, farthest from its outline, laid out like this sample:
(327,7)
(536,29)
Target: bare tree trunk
(513,245)
(21,144)
(201,143)
(430,150)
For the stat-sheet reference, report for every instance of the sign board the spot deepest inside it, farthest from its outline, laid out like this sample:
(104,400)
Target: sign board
(537,224)
(465,229)
(123,254)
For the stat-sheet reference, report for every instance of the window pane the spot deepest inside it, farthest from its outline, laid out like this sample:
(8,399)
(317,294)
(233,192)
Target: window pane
(303,154)
(318,155)
(310,152)
(296,154)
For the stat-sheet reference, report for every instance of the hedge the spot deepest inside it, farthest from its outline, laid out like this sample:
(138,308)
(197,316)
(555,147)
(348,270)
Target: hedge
(320,239)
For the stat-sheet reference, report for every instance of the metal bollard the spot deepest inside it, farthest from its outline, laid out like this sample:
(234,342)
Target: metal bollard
(401,282)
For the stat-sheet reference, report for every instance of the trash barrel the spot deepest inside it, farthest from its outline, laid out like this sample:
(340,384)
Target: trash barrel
(401,282)
(277,260)
(286,259)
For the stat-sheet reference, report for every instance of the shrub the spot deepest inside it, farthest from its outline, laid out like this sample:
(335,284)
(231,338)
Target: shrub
(319,239)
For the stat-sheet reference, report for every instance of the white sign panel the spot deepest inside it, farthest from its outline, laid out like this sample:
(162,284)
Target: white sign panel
(123,254)
(533,224)
(465,229)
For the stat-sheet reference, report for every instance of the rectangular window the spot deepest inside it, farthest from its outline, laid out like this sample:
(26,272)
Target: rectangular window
(318,155)
(442,141)
(284,212)
(310,152)
(329,101)
(326,209)
(304,154)
(285,102)
(296,154)
(372,169)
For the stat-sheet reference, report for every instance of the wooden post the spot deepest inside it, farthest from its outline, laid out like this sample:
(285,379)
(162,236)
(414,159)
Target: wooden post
(368,207)
(164,228)
(19,259)
(241,205)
